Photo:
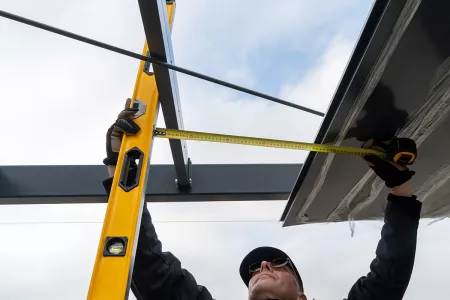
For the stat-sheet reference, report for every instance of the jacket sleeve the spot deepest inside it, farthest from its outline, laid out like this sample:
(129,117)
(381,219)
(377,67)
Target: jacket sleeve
(158,274)
(391,270)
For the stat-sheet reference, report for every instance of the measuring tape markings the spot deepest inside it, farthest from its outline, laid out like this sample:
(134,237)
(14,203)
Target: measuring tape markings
(242,140)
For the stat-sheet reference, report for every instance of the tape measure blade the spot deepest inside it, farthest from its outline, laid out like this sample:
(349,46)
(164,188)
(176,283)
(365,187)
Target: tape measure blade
(261,142)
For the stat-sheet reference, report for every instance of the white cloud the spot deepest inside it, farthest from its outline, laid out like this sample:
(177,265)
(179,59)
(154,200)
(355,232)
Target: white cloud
(317,88)
(215,37)
(62,96)
(208,108)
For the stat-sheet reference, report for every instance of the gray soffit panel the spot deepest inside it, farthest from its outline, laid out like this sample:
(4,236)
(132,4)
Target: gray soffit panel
(83,184)
(397,83)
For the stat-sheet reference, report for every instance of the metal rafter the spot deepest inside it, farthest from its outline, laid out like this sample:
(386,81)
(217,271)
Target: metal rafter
(156,61)
(82,184)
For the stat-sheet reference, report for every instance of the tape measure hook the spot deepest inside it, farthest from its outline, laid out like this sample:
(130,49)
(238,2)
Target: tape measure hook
(158,132)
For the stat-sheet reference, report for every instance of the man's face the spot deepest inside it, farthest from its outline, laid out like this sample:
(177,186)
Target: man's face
(270,283)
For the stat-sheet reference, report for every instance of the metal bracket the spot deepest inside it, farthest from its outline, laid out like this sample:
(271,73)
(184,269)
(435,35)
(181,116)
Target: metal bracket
(141,106)
(189,171)
(148,66)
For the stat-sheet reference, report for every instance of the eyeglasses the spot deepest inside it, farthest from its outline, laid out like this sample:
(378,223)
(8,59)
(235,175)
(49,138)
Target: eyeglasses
(277,264)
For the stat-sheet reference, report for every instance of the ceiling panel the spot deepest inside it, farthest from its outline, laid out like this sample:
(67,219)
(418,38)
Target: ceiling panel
(399,87)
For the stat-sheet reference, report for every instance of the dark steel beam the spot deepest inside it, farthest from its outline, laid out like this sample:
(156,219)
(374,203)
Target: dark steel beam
(157,31)
(83,184)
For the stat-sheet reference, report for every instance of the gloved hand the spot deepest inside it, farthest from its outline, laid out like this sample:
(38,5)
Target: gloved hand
(395,176)
(123,124)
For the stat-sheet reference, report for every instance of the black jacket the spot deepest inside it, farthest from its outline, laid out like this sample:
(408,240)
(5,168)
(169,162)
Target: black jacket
(158,275)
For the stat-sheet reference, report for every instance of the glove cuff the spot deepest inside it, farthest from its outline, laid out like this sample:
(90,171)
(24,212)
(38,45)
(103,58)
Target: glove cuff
(400,178)
(111,161)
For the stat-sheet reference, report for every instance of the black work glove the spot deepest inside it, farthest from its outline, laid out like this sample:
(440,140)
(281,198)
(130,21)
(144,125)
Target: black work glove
(123,124)
(391,173)
(388,172)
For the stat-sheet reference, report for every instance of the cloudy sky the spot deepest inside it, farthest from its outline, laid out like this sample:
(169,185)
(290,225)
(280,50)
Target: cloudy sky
(62,96)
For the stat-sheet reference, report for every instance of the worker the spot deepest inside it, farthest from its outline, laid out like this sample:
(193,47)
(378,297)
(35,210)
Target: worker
(268,272)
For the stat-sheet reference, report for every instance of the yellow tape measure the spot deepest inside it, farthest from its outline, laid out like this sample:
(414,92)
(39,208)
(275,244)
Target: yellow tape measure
(252,141)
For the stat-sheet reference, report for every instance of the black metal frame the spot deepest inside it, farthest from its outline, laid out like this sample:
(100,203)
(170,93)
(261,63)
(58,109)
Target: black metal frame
(232,182)
(83,184)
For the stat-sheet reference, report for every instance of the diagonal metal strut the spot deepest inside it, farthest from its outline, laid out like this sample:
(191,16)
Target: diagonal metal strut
(155,61)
